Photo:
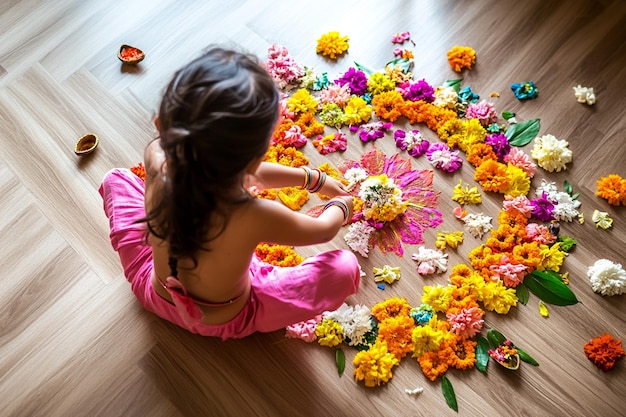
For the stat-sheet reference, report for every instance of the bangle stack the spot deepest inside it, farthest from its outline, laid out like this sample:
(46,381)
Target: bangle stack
(308,175)
(341,204)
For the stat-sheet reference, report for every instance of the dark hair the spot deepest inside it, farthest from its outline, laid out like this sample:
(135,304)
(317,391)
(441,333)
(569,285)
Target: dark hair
(216,117)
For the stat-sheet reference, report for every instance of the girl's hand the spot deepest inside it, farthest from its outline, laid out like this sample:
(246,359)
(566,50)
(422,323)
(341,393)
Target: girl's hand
(333,188)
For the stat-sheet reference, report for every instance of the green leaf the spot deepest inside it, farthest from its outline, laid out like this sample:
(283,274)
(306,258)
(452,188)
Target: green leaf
(568,187)
(403,63)
(482,353)
(526,357)
(522,133)
(340,359)
(448,393)
(362,68)
(522,293)
(547,285)
(575,196)
(495,338)
(506,115)
(455,84)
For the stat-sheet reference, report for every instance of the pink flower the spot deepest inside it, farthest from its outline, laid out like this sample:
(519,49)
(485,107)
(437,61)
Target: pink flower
(304,330)
(518,158)
(294,137)
(520,203)
(511,274)
(466,323)
(539,233)
(401,37)
(282,67)
(425,268)
(338,94)
(442,157)
(484,111)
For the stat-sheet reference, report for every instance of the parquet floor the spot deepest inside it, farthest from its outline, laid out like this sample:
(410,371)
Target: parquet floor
(73,341)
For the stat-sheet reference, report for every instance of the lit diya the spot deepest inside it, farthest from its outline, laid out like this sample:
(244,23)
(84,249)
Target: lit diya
(130,55)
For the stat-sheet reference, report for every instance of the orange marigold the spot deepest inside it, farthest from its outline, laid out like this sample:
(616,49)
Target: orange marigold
(479,153)
(278,255)
(139,170)
(288,156)
(310,125)
(397,332)
(434,364)
(391,307)
(527,253)
(612,189)
(464,354)
(492,176)
(387,105)
(451,132)
(332,44)
(461,57)
(293,197)
(604,351)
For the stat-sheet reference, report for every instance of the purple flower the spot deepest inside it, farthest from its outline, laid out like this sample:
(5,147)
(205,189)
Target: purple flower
(356,80)
(411,141)
(542,208)
(420,90)
(372,131)
(442,157)
(500,145)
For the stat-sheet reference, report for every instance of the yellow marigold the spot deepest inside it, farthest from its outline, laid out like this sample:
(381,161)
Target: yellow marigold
(515,220)
(310,125)
(333,173)
(356,111)
(492,176)
(519,181)
(479,256)
(464,356)
(434,364)
(279,255)
(379,83)
(451,132)
(391,307)
(502,239)
(496,297)
(293,197)
(472,284)
(397,333)
(387,105)
(373,366)
(613,189)
(438,297)
(268,194)
(473,133)
(552,257)
(479,153)
(426,339)
(452,239)
(332,44)
(288,156)
(329,333)
(461,57)
(466,195)
(302,102)
(527,253)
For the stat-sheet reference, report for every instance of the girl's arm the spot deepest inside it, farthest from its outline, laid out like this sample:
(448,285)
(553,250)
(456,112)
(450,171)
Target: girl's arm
(272,175)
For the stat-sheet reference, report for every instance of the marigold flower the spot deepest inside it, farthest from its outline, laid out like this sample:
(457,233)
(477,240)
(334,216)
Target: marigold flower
(613,189)
(520,159)
(451,239)
(139,170)
(268,194)
(332,44)
(279,255)
(397,333)
(496,297)
(309,125)
(329,333)
(387,105)
(479,153)
(511,274)
(473,133)
(604,351)
(357,111)
(379,83)
(437,296)
(451,132)
(461,57)
(332,115)
(519,182)
(302,102)
(427,338)
(391,307)
(492,176)
(288,156)
(293,197)
(434,364)
(374,365)
(527,253)
(466,195)
(464,354)
(287,133)
(551,257)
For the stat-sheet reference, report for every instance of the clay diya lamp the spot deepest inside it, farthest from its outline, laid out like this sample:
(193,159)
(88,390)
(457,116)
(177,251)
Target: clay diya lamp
(506,355)
(130,55)
(86,144)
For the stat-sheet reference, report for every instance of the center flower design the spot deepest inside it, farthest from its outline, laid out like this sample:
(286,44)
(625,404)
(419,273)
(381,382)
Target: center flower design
(382,199)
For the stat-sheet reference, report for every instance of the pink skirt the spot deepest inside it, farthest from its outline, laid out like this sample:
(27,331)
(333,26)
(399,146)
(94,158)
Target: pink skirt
(279,296)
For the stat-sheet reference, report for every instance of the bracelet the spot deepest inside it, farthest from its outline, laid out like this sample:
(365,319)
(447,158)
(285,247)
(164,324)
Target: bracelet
(320,183)
(342,205)
(307,178)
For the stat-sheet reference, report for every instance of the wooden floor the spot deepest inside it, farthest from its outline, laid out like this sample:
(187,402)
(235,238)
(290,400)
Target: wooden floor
(73,341)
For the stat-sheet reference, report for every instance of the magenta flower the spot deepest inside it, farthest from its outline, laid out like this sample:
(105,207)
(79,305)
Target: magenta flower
(401,37)
(417,191)
(500,145)
(371,131)
(420,90)
(542,208)
(467,322)
(411,141)
(484,111)
(442,157)
(355,79)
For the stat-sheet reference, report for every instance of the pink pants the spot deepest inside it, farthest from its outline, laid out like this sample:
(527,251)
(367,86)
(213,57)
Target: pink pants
(279,296)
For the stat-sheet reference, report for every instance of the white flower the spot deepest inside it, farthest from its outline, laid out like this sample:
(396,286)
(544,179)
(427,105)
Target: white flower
(546,187)
(414,391)
(430,261)
(584,95)
(355,176)
(355,321)
(602,219)
(565,208)
(551,153)
(477,224)
(388,274)
(607,278)
(358,236)
(445,97)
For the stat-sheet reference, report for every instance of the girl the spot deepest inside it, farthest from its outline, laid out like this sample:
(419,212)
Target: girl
(198,268)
